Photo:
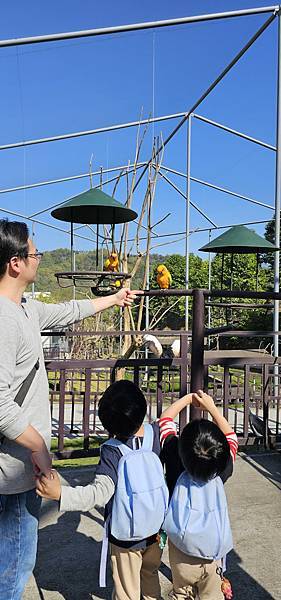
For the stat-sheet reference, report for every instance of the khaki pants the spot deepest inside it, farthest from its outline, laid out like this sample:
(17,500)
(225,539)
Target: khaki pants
(135,573)
(191,576)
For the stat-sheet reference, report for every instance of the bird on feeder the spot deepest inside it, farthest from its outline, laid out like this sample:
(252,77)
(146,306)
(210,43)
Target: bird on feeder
(164,278)
(112,263)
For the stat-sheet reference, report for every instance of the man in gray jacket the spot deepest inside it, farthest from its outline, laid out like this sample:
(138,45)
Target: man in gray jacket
(25,431)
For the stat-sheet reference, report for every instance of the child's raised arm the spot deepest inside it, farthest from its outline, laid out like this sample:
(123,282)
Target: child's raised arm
(205,402)
(174,409)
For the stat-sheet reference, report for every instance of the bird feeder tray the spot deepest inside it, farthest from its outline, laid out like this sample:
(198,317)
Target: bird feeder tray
(102,283)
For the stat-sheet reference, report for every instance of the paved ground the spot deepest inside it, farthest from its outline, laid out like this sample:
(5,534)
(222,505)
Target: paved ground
(69,544)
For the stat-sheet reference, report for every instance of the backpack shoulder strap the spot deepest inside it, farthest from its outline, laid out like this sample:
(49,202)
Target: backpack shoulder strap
(148,437)
(124,449)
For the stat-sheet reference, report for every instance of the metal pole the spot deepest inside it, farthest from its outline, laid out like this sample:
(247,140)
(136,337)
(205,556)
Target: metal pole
(33,240)
(197,348)
(235,132)
(77,134)
(54,37)
(231,193)
(17,214)
(184,196)
(187,217)
(61,180)
(216,187)
(277,210)
(74,269)
(199,230)
(71,246)
(209,285)
(210,88)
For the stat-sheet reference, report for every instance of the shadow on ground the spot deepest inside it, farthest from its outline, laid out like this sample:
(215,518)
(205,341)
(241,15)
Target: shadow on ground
(68,560)
(68,563)
(267,464)
(69,544)
(244,587)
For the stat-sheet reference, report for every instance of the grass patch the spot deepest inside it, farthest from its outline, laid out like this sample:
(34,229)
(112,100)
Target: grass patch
(77,443)
(76,462)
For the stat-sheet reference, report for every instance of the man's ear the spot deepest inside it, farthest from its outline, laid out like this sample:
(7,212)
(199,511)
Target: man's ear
(14,264)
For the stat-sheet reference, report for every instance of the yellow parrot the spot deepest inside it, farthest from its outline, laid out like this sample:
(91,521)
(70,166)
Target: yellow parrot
(164,278)
(112,263)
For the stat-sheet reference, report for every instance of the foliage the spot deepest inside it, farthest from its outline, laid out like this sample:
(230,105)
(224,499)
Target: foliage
(268,257)
(243,278)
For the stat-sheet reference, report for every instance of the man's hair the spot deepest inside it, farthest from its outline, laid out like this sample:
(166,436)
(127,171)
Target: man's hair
(204,450)
(122,409)
(13,242)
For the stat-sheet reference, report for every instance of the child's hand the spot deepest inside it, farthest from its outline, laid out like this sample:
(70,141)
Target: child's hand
(186,399)
(49,488)
(203,401)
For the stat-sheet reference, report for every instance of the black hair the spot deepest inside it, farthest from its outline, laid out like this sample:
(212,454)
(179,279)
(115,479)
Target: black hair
(204,450)
(122,409)
(13,242)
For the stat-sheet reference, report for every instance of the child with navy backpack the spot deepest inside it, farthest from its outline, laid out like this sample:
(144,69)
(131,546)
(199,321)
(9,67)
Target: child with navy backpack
(197,522)
(130,483)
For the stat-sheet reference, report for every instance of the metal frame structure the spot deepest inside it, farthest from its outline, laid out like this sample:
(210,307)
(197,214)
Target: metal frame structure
(186,116)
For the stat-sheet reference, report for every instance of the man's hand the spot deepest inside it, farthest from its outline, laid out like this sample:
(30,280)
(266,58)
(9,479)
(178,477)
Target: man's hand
(33,441)
(42,463)
(49,488)
(126,297)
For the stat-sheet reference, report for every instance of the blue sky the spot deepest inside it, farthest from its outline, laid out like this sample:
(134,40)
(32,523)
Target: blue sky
(51,89)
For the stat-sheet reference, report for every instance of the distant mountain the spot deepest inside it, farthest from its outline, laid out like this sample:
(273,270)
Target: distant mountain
(58,260)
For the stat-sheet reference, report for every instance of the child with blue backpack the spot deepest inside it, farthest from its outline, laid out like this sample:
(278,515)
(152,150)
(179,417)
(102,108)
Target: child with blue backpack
(130,484)
(197,522)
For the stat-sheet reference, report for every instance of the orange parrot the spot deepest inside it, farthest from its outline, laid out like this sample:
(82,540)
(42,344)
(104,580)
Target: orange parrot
(164,278)
(112,263)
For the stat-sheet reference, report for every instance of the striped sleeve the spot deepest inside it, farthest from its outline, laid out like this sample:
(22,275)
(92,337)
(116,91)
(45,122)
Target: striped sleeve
(167,427)
(233,443)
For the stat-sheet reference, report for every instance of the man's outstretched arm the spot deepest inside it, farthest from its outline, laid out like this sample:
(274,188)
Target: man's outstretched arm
(66,313)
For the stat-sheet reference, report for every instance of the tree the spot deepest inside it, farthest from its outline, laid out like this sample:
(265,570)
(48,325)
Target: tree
(243,278)
(268,257)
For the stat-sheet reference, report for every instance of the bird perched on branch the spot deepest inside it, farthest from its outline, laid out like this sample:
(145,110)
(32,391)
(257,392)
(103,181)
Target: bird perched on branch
(164,278)
(112,263)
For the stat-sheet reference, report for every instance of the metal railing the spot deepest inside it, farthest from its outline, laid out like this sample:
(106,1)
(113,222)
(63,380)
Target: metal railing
(239,384)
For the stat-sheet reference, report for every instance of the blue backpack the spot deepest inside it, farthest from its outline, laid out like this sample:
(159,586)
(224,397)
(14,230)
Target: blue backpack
(141,496)
(197,520)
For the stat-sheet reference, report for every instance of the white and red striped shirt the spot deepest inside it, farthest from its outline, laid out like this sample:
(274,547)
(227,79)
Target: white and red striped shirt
(168,427)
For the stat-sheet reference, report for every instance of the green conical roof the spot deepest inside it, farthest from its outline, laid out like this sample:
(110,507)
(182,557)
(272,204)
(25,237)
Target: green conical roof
(92,207)
(239,240)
